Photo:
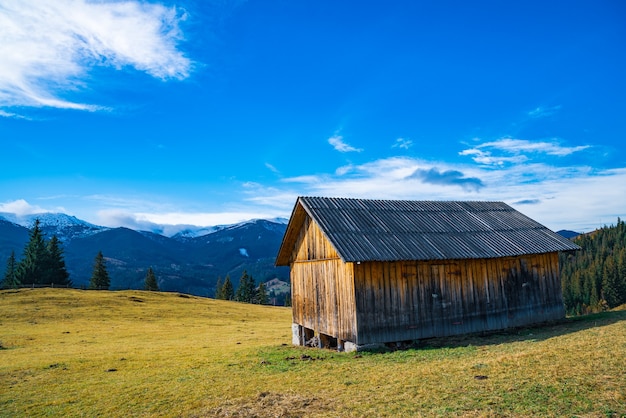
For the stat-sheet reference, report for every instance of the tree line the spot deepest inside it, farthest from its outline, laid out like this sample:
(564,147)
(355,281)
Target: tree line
(247,291)
(594,279)
(42,264)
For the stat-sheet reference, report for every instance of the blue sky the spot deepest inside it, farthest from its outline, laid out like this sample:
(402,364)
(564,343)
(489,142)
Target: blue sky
(213,112)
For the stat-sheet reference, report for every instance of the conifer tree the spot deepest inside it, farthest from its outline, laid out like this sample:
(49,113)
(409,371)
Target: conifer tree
(219,286)
(32,266)
(100,277)
(151,282)
(612,284)
(228,292)
(261,295)
(246,290)
(10,276)
(55,271)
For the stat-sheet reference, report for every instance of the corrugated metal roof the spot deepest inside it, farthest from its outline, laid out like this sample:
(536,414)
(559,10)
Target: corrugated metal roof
(395,230)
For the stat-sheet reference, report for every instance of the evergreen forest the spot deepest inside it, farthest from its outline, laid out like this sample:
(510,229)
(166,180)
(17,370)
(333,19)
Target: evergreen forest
(594,279)
(41,264)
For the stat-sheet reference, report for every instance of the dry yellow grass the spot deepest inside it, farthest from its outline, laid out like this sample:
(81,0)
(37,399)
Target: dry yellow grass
(132,353)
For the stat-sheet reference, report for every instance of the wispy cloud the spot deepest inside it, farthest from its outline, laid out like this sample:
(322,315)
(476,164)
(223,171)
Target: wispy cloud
(542,111)
(343,170)
(486,158)
(272,168)
(48,47)
(340,145)
(522,145)
(306,179)
(404,143)
(5,114)
(515,151)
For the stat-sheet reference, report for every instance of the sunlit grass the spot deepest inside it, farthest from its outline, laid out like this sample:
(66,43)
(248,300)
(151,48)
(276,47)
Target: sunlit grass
(93,353)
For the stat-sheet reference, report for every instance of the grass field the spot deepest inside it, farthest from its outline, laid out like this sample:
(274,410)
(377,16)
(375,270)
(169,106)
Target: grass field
(79,353)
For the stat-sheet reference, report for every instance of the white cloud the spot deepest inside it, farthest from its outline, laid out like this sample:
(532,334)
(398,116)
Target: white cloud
(521,145)
(485,158)
(276,201)
(21,207)
(404,143)
(48,46)
(343,170)
(574,197)
(11,115)
(515,151)
(542,112)
(340,145)
(308,179)
(272,168)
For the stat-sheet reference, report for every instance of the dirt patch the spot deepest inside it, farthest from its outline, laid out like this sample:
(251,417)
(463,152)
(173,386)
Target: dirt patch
(277,405)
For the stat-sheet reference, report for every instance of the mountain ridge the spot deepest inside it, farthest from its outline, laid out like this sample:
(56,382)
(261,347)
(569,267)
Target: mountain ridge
(189,264)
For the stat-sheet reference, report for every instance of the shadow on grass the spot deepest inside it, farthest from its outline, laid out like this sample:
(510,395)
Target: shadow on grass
(538,332)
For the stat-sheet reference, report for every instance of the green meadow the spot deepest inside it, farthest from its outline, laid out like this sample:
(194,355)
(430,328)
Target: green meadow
(77,353)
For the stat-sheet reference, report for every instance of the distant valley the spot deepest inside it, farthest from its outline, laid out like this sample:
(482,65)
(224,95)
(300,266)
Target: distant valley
(188,262)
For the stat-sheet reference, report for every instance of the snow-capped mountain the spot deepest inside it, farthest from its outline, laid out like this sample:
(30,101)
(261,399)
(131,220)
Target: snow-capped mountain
(184,264)
(65,227)
(191,231)
(199,231)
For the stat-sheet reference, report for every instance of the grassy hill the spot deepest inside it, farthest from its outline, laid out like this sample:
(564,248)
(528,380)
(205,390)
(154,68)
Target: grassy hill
(68,352)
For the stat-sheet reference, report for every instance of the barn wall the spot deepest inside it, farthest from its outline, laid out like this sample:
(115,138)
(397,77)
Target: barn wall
(402,301)
(312,244)
(322,291)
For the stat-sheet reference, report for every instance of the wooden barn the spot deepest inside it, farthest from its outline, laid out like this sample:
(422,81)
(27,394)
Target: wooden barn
(370,272)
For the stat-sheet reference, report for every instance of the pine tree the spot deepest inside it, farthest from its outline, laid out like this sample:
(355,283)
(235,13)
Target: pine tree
(100,277)
(219,287)
(55,271)
(10,276)
(31,268)
(246,290)
(612,291)
(261,295)
(151,282)
(228,292)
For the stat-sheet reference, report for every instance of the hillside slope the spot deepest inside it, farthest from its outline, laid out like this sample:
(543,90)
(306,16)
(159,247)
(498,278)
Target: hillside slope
(78,353)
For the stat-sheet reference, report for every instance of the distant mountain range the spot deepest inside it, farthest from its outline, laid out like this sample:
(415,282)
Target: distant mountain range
(190,261)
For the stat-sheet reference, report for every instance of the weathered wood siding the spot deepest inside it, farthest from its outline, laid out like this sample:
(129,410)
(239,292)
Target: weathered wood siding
(322,286)
(399,301)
